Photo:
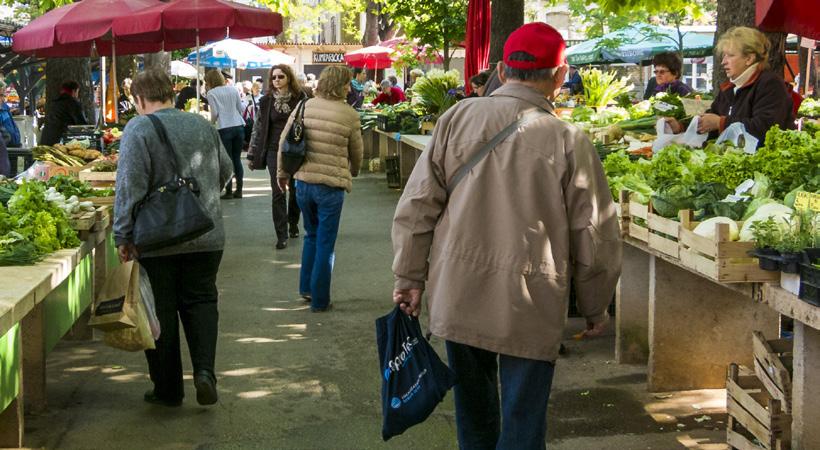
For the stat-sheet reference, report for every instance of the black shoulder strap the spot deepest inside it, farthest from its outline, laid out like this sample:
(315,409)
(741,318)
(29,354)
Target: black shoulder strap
(490,145)
(159,127)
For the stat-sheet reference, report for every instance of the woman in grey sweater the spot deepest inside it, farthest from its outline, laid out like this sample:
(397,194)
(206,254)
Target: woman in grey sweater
(183,276)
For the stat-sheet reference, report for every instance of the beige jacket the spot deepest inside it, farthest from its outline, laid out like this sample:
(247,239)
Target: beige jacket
(497,258)
(334,144)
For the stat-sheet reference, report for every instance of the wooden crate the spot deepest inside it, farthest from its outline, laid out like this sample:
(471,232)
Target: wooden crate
(658,232)
(84,221)
(756,420)
(773,367)
(720,259)
(98,179)
(104,216)
(99,201)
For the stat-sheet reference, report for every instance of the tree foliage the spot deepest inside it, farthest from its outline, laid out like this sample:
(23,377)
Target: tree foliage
(440,24)
(306,18)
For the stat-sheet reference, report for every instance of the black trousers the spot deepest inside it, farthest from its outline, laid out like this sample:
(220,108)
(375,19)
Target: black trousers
(184,290)
(284,208)
(233,140)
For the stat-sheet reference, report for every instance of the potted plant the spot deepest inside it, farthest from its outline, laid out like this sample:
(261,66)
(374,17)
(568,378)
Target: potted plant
(798,237)
(767,236)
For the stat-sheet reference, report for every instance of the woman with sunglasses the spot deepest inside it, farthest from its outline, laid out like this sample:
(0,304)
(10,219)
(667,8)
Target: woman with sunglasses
(284,94)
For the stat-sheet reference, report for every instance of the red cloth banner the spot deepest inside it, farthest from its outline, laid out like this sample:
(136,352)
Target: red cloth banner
(478,40)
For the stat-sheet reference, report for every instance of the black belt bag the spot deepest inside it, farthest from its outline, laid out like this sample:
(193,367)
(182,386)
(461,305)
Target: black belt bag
(171,213)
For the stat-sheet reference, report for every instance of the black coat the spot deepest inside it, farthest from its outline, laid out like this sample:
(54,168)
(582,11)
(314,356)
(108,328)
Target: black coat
(187,93)
(760,104)
(63,111)
(268,130)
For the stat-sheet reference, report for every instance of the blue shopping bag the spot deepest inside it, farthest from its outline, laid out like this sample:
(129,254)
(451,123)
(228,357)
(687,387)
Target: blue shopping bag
(414,380)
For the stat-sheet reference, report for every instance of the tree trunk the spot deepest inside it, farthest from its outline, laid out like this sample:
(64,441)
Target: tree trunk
(446,55)
(507,16)
(60,70)
(732,13)
(159,60)
(371,26)
(126,68)
(814,80)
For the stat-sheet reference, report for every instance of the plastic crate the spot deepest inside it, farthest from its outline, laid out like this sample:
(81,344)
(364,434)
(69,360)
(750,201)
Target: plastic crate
(391,168)
(810,278)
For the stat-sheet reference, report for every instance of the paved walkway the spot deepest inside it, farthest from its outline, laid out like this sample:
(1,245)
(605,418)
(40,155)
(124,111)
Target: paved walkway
(291,379)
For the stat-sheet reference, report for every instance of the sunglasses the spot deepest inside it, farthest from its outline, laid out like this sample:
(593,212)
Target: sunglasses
(278,77)
(660,71)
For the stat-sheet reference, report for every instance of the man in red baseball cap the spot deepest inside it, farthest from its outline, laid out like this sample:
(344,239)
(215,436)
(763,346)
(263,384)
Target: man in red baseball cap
(507,204)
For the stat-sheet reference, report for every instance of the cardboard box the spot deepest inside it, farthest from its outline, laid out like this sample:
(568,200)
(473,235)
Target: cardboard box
(44,171)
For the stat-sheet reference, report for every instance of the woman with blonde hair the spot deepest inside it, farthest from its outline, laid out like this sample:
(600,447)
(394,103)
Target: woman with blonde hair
(334,154)
(226,111)
(284,93)
(755,95)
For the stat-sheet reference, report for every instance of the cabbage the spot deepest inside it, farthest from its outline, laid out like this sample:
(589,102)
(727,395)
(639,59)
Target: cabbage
(755,204)
(708,228)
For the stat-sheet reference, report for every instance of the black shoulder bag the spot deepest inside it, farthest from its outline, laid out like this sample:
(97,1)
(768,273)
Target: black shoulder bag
(172,212)
(294,148)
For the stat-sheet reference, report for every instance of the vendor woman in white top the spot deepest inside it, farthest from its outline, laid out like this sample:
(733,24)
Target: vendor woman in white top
(226,111)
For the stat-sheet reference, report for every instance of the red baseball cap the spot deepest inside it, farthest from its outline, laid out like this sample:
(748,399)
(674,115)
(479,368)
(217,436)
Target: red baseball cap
(541,41)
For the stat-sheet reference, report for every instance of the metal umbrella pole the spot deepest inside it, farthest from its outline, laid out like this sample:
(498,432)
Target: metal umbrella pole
(197,72)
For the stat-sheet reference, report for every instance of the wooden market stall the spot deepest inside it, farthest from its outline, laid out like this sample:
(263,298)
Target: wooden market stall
(39,305)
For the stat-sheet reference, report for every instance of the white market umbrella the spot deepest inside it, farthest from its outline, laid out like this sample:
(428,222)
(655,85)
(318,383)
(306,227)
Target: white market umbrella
(183,69)
(237,54)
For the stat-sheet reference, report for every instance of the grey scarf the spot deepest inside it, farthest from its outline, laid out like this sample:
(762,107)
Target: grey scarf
(281,102)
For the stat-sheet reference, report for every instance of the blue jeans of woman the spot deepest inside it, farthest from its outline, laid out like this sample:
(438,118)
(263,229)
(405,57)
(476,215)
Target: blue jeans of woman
(321,207)
(516,421)
(233,138)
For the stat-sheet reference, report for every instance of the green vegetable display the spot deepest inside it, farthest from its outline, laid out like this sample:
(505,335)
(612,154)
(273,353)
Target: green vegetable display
(32,227)
(668,105)
(602,88)
(810,107)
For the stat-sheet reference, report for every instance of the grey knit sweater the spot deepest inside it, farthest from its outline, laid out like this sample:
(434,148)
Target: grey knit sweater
(143,158)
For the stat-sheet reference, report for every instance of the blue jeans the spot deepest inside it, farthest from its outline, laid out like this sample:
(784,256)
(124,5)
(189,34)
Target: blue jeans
(519,420)
(321,207)
(233,138)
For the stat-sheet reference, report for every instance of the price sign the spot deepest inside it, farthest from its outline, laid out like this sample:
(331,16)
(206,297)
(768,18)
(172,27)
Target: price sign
(807,201)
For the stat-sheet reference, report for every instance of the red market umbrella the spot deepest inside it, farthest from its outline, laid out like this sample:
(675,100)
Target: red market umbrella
(187,23)
(76,29)
(478,39)
(801,17)
(374,57)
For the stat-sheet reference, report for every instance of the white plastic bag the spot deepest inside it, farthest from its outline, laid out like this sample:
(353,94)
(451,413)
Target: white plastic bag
(734,132)
(147,295)
(691,137)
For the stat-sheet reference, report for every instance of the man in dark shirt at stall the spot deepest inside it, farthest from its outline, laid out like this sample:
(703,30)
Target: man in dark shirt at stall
(63,111)
(187,93)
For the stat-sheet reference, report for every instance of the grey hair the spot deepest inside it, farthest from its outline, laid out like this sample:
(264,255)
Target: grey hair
(386,83)
(528,74)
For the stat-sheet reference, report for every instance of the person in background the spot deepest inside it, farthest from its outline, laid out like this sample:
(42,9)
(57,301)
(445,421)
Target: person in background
(415,74)
(390,94)
(494,82)
(5,164)
(226,113)
(311,81)
(251,109)
(63,111)
(284,94)
(395,82)
(650,88)
(497,293)
(478,82)
(183,276)
(11,133)
(334,154)
(668,70)
(355,97)
(575,84)
(125,104)
(228,78)
(755,95)
(187,93)
(303,83)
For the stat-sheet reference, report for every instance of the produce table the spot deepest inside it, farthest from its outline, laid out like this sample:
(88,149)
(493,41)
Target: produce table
(689,328)
(39,305)
(406,147)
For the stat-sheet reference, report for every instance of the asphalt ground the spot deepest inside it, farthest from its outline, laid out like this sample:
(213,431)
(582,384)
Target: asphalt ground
(292,379)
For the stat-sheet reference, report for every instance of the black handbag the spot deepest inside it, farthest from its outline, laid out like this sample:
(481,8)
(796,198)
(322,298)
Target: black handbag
(172,212)
(294,148)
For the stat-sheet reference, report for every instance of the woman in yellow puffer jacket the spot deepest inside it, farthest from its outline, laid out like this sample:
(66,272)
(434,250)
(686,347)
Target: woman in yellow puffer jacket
(333,157)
